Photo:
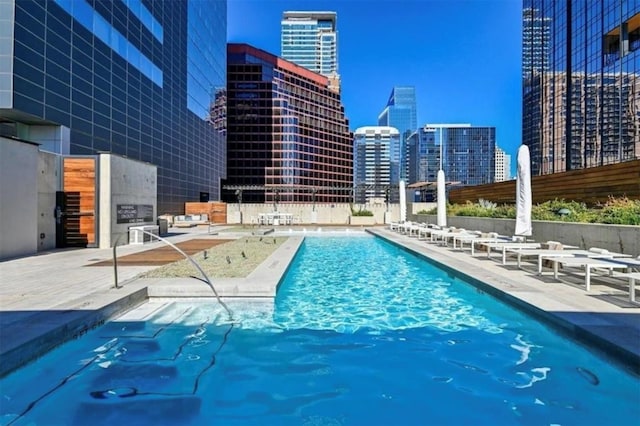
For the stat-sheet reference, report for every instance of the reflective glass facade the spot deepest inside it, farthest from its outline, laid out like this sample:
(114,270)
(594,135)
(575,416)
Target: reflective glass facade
(536,31)
(468,153)
(401,113)
(582,108)
(286,131)
(423,159)
(133,77)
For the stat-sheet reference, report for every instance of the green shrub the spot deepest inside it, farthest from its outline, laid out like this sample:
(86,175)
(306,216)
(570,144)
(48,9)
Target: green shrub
(361,212)
(622,211)
(504,211)
(619,211)
(561,210)
(470,209)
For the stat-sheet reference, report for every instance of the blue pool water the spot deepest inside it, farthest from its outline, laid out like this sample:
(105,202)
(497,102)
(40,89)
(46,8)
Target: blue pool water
(361,333)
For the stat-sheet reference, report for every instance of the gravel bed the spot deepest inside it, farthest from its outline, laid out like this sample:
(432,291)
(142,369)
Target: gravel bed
(235,259)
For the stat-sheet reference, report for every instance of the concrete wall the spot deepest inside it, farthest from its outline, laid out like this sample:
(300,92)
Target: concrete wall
(49,182)
(123,181)
(18,198)
(325,213)
(618,238)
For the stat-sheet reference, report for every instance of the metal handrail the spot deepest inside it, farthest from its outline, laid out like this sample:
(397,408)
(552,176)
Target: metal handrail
(193,262)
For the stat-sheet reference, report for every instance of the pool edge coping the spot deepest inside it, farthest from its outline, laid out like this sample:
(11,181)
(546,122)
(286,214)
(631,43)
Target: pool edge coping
(624,356)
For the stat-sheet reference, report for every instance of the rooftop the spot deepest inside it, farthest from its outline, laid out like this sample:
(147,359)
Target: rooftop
(55,296)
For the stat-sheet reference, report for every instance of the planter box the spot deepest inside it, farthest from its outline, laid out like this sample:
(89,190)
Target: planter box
(362,220)
(616,238)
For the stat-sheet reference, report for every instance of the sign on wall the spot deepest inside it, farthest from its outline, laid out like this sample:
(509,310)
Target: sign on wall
(134,213)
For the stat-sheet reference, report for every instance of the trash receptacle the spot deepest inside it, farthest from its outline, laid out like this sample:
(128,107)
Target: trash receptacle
(163,227)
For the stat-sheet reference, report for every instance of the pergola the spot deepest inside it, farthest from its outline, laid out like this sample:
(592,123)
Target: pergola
(428,189)
(277,189)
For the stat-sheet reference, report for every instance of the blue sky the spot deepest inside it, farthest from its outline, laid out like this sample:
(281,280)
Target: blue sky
(463,56)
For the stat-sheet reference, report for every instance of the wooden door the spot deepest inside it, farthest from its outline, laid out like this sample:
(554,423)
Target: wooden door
(77,204)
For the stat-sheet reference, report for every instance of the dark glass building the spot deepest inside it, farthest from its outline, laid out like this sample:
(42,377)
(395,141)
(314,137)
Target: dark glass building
(581,83)
(288,138)
(468,152)
(133,77)
(423,156)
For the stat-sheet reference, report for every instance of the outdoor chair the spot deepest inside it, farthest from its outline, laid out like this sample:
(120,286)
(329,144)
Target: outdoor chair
(588,264)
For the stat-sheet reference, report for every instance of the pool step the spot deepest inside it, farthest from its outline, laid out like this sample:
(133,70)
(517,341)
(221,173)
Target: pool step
(138,410)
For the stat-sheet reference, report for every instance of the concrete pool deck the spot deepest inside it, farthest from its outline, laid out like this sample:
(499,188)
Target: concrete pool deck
(52,296)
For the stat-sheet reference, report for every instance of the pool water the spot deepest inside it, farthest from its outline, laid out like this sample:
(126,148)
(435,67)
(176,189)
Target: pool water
(361,333)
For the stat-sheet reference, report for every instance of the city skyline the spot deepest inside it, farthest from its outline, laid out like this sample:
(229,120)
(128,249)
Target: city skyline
(464,57)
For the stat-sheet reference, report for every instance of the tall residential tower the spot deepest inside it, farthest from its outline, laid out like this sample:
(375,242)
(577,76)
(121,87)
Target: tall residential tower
(310,39)
(372,165)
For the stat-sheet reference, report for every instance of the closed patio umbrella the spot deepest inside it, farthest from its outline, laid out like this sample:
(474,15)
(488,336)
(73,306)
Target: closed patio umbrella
(442,200)
(523,193)
(403,202)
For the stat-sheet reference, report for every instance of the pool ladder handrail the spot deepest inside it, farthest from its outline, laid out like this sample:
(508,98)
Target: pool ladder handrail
(189,258)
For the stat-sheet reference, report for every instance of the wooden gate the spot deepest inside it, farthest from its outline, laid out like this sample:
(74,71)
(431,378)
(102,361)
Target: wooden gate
(76,206)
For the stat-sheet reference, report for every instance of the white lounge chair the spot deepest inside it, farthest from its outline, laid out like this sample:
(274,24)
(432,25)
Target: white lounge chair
(414,229)
(546,254)
(503,246)
(632,277)
(442,234)
(425,233)
(586,263)
(542,254)
(477,238)
(456,234)
(631,263)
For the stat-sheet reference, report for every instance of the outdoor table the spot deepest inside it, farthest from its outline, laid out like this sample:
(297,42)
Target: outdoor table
(275,218)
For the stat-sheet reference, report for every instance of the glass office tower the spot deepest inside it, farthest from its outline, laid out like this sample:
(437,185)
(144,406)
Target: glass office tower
(131,77)
(468,152)
(310,39)
(401,113)
(581,108)
(372,164)
(423,159)
(288,137)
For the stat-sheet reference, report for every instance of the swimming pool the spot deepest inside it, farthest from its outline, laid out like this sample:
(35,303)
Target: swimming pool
(361,332)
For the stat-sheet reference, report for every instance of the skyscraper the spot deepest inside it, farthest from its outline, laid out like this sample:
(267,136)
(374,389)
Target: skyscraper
(372,163)
(503,165)
(130,77)
(536,33)
(310,39)
(581,110)
(400,113)
(468,152)
(423,156)
(287,133)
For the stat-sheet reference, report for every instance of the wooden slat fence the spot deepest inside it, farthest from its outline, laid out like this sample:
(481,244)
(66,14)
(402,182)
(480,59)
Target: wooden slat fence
(79,185)
(591,186)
